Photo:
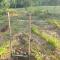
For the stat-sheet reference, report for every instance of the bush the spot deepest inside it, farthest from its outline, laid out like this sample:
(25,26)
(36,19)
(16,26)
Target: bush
(2,12)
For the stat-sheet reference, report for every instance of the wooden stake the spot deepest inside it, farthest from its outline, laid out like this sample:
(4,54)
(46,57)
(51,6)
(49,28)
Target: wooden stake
(10,32)
(29,34)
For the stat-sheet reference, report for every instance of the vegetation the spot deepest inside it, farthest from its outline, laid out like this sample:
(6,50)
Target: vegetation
(36,51)
(51,40)
(55,22)
(44,14)
(26,3)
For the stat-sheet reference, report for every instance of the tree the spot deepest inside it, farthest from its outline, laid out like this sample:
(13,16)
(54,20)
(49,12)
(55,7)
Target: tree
(6,3)
(13,3)
(0,0)
(0,3)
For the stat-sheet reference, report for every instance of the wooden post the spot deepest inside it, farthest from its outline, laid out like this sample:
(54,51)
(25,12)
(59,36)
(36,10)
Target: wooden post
(10,32)
(9,23)
(29,34)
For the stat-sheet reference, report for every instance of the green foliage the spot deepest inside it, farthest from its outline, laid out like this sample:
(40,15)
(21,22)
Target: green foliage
(34,10)
(3,47)
(51,40)
(0,0)
(54,22)
(6,4)
(2,12)
(27,3)
(35,49)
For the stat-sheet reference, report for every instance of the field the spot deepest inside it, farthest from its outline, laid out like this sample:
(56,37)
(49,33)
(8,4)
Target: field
(34,31)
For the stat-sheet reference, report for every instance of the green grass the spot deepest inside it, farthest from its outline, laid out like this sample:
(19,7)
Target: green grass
(3,47)
(39,11)
(36,51)
(51,9)
(50,39)
(54,22)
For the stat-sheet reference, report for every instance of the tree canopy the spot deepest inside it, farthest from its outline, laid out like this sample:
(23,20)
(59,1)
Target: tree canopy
(26,3)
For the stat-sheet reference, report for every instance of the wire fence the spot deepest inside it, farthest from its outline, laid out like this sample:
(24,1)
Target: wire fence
(16,26)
